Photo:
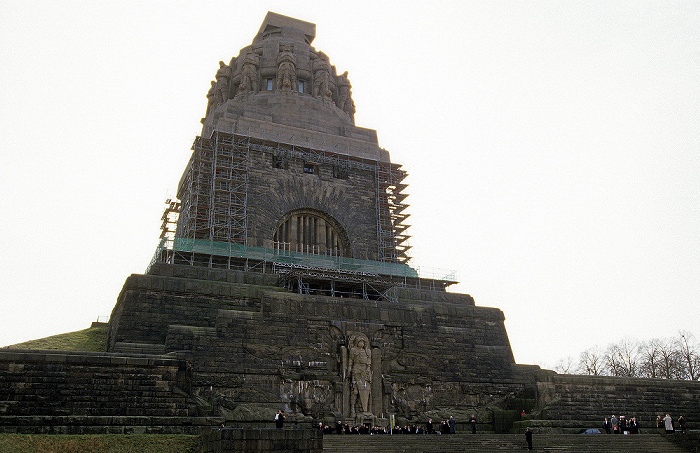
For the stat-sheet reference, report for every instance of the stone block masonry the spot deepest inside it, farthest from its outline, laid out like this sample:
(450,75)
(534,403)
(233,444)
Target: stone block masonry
(254,344)
(575,400)
(233,440)
(80,392)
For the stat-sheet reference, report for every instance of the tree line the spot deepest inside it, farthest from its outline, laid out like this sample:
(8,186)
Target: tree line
(670,358)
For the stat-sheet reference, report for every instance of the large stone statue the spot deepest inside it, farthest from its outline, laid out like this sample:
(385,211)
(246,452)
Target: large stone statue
(222,78)
(360,371)
(249,73)
(211,98)
(322,75)
(286,69)
(345,102)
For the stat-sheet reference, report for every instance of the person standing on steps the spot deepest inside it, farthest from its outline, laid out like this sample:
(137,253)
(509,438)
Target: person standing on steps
(472,421)
(279,419)
(528,438)
(452,424)
(668,424)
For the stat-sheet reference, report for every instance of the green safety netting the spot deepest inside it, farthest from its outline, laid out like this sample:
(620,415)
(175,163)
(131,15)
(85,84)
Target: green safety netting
(296,259)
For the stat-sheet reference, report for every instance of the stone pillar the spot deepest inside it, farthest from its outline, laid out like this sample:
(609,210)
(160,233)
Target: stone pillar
(322,234)
(346,381)
(293,233)
(376,403)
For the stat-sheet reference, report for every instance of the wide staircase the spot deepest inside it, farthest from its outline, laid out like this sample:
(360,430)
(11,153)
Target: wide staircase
(487,443)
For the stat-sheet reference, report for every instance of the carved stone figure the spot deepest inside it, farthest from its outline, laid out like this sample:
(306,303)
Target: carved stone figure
(222,78)
(286,69)
(249,73)
(211,98)
(360,371)
(350,110)
(322,74)
(345,102)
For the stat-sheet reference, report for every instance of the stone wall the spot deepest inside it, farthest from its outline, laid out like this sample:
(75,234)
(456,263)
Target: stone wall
(274,192)
(72,392)
(588,399)
(255,345)
(234,440)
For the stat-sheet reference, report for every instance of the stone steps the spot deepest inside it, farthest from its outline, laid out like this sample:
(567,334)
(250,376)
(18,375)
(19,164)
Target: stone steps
(123,347)
(492,443)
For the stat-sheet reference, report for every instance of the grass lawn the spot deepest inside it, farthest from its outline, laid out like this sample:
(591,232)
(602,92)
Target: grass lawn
(102,443)
(92,339)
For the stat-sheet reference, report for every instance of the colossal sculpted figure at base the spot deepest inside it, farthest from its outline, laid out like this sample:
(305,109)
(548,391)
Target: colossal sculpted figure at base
(360,372)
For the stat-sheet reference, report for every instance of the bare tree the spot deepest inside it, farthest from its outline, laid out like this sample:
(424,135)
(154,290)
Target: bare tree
(592,362)
(621,358)
(671,367)
(565,366)
(689,353)
(650,359)
(670,358)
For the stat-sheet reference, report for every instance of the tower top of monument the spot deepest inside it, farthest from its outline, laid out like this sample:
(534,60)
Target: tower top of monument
(286,27)
(280,88)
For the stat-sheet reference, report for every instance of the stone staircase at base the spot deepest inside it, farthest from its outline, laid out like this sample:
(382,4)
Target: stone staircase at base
(488,443)
(138,348)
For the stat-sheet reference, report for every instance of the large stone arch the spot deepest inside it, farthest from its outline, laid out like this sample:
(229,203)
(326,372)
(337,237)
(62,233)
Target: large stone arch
(310,230)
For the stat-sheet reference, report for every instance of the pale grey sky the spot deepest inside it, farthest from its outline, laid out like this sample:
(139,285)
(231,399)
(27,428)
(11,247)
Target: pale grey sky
(553,149)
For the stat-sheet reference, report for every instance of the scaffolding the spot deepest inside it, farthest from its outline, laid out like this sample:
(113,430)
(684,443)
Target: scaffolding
(214,190)
(391,231)
(306,273)
(209,225)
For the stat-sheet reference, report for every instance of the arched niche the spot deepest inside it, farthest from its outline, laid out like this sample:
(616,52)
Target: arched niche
(311,231)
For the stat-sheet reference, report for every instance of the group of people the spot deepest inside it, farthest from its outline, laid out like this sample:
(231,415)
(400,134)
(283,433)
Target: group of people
(621,425)
(448,426)
(344,428)
(667,424)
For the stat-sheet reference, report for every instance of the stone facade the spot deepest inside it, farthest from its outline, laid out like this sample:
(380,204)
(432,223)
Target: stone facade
(256,346)
(56,392)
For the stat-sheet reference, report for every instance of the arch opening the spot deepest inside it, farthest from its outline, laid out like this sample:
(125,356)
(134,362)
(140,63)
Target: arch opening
(311,231)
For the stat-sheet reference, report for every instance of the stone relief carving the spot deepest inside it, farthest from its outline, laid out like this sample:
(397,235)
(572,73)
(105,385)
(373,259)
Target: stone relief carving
(322,74)
(286,69)
(249,73)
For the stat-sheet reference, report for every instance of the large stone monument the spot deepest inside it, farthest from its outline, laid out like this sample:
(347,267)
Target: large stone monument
(282,281)
(283,272)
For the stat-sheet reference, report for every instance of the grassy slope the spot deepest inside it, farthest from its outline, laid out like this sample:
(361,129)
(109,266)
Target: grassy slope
(92,339)
(106,443)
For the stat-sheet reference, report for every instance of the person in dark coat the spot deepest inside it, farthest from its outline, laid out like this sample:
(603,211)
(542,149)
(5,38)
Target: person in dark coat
(472,421)
(452,424)
(528,438)
(633,426)
(429,427)
(279,419)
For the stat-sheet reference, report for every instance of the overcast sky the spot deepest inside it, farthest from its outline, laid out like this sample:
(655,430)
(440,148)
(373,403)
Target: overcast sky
(553,149)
